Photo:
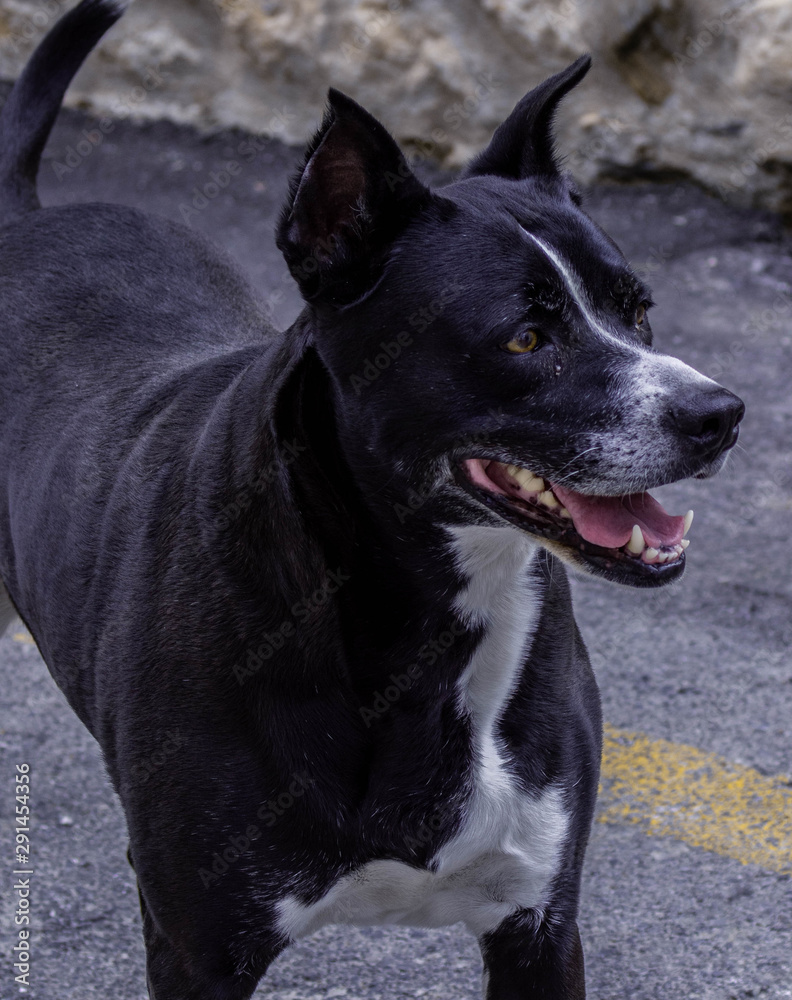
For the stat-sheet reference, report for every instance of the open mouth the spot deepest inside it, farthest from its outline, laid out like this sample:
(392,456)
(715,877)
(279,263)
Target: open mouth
(629,538)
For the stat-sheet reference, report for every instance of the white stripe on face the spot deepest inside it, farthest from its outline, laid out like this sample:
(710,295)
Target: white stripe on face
(574,287)
(659,372)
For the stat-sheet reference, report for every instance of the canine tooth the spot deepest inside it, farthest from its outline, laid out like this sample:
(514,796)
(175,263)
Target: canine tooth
(684,543)
(636,542)
(650,555)
(688,522)
(564,512)
(528,481)
(548,499)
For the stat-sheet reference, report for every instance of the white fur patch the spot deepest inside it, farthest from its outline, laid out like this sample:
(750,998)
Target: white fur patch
(644,443)
(499,596)
(574,287)
(663,374)
(507,849)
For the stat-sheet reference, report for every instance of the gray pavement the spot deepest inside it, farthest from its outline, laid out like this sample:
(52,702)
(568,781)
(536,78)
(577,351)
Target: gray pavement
(706,663)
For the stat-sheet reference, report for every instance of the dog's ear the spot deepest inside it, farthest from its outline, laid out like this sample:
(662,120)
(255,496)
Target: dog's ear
(523,145)
(347,205)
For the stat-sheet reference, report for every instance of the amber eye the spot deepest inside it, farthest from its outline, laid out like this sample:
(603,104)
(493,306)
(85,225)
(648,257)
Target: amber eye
(640,314)
(527,341)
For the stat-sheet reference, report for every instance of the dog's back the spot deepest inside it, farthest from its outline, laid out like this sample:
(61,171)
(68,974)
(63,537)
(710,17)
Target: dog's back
(91,293)
(25,123)
(103,329)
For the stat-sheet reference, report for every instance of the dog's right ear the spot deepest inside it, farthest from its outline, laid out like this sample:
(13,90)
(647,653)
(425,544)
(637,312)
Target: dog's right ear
(352,198)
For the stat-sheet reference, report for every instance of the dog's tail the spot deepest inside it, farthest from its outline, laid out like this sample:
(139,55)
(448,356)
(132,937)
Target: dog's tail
(35,99)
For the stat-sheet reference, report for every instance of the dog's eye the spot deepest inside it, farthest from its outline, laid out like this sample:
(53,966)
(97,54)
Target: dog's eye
(522,344)
(640,314)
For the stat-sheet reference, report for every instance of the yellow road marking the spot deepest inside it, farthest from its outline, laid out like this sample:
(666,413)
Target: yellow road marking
(25,637)
(673,790)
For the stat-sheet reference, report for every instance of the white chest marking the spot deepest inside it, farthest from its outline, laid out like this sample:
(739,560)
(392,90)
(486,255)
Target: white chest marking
(507,849)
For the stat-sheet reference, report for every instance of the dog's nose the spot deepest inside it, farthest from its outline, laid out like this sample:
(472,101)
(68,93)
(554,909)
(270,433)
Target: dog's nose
(711,418)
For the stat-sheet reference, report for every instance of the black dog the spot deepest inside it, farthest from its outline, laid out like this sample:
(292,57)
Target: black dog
(302,587)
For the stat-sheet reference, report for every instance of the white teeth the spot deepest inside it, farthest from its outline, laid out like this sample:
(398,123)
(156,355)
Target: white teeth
(636,542)
(535,484)
(528,481)
(636,546)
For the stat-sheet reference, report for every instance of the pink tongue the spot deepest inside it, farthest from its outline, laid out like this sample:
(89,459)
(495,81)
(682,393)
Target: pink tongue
(608,521)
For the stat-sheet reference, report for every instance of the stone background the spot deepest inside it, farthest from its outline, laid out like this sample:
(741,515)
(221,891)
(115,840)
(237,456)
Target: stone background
(680,88)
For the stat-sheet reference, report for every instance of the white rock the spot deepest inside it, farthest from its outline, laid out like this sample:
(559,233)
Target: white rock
(691,87)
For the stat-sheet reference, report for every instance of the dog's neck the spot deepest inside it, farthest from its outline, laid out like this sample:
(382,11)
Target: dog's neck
(404,574)
(410,572)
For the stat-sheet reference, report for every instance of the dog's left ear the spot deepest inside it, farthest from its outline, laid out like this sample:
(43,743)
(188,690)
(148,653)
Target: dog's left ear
(352,198)
(523,145)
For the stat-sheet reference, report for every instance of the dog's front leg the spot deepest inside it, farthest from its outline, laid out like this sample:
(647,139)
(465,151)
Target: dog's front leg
(174,974)
(533,957)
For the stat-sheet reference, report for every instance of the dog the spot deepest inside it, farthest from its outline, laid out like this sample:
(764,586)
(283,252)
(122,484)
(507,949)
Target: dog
(307,588)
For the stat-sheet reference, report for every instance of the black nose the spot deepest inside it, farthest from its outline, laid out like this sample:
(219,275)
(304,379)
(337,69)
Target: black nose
(710,419)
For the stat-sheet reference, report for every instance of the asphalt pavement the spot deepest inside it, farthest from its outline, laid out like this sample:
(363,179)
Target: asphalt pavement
(706,663)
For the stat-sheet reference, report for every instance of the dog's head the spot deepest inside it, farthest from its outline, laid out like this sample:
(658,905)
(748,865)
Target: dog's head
(489,346)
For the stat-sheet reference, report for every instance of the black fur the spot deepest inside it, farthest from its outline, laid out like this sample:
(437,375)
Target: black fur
(227,541)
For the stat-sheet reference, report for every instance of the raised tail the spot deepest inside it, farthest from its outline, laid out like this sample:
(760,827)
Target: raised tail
(35,99)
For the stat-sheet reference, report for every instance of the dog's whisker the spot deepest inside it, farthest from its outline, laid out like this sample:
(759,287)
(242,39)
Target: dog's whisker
(559,477)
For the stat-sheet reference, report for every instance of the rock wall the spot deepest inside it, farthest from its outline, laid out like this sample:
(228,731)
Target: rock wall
(680,88)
